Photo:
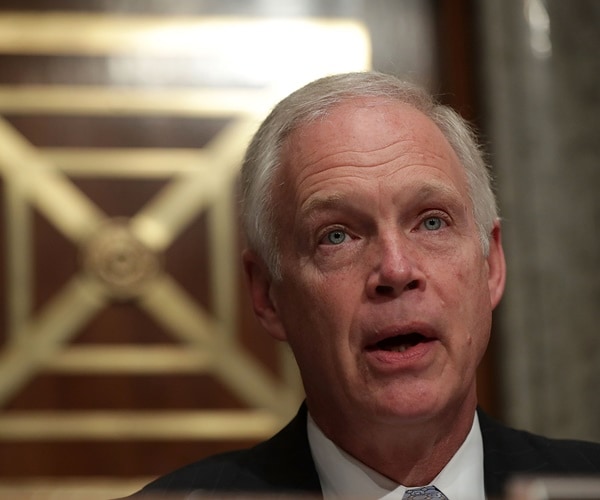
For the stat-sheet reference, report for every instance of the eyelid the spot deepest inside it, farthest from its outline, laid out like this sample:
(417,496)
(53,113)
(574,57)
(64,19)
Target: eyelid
(435,213)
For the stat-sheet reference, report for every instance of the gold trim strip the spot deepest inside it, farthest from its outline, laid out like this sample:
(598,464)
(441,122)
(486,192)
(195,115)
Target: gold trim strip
(224,284)
(232,38)
(159,222)
(121,101)
(126,162)
(69,210)
(46,334)
(171,306)
(130,360)
(19,255)
(70,488)
(205,425)
(251,381)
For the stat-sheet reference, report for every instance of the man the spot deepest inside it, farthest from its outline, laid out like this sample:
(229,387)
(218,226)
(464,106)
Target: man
(374,250)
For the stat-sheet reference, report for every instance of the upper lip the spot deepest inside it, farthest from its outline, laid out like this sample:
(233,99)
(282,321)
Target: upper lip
(379,336)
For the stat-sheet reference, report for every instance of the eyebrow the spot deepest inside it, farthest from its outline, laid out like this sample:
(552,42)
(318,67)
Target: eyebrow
(337,201)
(435,189)
(319,203)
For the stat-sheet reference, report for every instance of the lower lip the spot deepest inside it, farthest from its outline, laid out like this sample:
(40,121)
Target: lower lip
(414,357)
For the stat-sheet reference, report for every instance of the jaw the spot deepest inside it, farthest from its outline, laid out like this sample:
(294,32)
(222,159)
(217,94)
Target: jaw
(396,426)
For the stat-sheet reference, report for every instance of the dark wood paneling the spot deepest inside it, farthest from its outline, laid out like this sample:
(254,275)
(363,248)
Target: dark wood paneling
(104,459)
(116,132)
(458,87)
(123,392)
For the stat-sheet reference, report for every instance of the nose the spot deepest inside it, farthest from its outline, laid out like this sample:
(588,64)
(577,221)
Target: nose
(395,270)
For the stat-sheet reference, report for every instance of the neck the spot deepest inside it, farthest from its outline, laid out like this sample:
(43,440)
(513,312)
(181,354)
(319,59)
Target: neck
(411,454)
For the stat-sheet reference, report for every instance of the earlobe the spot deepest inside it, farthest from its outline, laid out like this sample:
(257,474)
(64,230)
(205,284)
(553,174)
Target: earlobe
(260,285)
(496,266)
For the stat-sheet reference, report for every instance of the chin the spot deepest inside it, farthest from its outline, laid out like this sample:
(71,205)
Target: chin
(405,409)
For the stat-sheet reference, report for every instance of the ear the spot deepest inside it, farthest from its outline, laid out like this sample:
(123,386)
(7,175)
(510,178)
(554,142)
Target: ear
(496,265)
(260,286)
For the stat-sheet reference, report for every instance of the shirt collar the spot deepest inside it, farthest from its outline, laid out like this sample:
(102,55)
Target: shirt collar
(342,476)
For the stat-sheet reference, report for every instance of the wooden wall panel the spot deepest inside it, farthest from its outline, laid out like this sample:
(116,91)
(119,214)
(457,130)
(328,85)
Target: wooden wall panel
(128,344)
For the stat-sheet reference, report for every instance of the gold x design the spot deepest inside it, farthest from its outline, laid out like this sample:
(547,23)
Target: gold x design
(42,341)
(41,338)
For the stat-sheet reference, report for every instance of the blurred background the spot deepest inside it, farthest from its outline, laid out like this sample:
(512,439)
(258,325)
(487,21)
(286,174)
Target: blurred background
(128,346)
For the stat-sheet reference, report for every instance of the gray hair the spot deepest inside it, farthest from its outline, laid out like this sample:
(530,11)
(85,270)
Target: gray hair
(313,101)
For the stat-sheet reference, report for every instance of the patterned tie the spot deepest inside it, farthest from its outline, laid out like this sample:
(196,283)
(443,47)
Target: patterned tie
(425,493)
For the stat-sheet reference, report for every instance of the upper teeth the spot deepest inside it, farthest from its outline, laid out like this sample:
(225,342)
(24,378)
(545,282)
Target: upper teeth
(398,348)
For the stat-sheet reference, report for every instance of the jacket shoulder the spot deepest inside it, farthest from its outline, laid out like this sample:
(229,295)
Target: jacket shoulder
(281,464)
(511,452)
(539,452)
(226,471)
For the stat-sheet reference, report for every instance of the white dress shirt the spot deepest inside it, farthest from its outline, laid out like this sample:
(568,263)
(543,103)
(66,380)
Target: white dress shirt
(342,476)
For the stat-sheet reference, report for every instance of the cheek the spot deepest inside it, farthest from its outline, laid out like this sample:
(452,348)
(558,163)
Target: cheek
(318,312)
(299,306)
(476,313)
(315,290)
(462,283)
(468,276)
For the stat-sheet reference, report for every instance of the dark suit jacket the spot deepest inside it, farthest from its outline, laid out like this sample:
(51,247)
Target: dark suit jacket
(284,464)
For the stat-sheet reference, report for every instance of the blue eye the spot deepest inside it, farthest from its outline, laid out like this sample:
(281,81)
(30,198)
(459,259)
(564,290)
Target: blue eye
(335,237)
(432,223)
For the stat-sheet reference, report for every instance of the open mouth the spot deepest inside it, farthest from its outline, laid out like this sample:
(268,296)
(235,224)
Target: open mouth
(399,343)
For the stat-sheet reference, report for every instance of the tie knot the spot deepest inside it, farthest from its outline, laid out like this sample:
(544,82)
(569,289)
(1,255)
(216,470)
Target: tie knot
(425,493)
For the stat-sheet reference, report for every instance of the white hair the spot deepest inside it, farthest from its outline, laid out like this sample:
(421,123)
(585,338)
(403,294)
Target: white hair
(263,157)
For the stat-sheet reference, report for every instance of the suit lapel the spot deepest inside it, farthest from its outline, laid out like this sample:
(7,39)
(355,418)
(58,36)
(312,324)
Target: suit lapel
(494,456)
(285,460)
(506,452)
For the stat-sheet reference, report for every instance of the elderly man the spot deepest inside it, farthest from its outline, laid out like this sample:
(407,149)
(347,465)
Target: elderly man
(374,250)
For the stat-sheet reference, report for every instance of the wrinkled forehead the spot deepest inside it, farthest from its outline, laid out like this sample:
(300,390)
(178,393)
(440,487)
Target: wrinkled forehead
(365,132)
(346,119)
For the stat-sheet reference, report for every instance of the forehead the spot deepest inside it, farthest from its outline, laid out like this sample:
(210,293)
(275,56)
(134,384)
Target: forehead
(366,123)
(379,133)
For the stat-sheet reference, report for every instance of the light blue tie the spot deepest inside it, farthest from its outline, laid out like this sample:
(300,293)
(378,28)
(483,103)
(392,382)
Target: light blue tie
(425,493)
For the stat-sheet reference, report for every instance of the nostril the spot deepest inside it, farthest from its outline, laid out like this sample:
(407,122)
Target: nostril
(412,285)
(389,291)
(384,290)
